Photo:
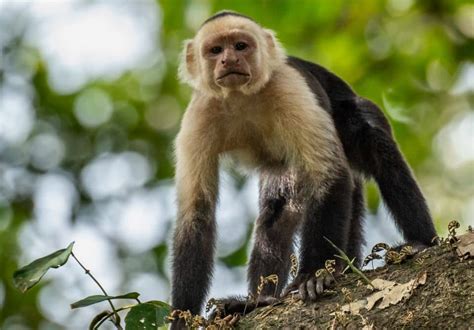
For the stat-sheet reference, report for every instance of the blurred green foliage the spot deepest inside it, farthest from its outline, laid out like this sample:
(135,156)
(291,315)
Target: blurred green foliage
(404,55)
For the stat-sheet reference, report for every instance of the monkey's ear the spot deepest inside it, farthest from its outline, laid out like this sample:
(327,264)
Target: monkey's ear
(270,38)
(188,66)
(275,50)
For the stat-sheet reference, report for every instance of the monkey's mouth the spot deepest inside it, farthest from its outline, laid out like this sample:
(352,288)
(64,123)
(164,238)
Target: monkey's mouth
(229,73)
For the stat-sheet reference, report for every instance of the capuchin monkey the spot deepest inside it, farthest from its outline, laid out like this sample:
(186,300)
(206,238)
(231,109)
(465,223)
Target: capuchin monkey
(312,141)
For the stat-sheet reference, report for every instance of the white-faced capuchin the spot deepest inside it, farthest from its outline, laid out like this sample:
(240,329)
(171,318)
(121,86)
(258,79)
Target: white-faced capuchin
(311,139)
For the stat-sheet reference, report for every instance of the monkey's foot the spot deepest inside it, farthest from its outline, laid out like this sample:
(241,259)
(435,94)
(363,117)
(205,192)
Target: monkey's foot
(399,254)
(413,247)
(308,286)
(240,305)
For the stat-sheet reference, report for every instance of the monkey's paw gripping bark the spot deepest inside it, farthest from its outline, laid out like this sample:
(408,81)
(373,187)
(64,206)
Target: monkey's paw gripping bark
(308,286)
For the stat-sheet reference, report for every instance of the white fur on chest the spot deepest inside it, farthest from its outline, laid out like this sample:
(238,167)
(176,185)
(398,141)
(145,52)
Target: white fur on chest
(281,125)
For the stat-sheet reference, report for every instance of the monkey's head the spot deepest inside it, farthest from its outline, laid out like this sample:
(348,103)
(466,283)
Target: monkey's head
(230,52)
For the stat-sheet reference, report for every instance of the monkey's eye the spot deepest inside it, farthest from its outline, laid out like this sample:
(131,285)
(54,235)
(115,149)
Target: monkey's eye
(216,49)
(240,46)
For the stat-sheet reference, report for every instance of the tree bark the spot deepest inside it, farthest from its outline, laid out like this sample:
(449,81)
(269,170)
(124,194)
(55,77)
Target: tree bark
(445,300)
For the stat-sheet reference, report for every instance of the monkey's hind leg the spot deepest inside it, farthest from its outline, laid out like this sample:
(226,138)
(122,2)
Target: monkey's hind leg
(383,160)
(356,232)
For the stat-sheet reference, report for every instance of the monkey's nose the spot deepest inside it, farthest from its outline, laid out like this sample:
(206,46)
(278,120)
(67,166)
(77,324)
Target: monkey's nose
(228,62)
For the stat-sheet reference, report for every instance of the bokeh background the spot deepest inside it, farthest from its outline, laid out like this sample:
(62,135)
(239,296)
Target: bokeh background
(90,104)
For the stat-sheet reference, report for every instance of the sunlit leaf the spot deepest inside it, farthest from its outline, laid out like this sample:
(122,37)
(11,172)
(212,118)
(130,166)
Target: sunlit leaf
(147,316)
(26,277)
(99,298)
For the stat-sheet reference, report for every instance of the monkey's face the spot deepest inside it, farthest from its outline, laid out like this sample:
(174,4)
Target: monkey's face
(230,58)
(230,54)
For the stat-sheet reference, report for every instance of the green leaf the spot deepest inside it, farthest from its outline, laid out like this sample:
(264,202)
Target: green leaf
(147,316)
(91,300)
(99,318)
(26,277)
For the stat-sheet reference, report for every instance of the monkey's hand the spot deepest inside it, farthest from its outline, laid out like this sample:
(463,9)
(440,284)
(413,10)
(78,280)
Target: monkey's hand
(309,286)
(240,305)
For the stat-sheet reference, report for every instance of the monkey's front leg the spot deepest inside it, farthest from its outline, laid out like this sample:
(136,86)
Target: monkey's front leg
(194,236)
(329,218)
(274,232)
(193,253)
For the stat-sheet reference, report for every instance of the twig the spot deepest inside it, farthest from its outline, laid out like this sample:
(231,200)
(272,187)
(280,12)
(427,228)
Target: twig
(116,320)
(344,257)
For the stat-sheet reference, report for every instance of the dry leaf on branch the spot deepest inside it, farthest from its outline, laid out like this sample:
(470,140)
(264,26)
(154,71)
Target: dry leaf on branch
(390,293)
(465,246)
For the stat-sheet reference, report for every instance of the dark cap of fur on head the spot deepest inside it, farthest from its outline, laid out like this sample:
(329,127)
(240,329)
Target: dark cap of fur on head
(225,13)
